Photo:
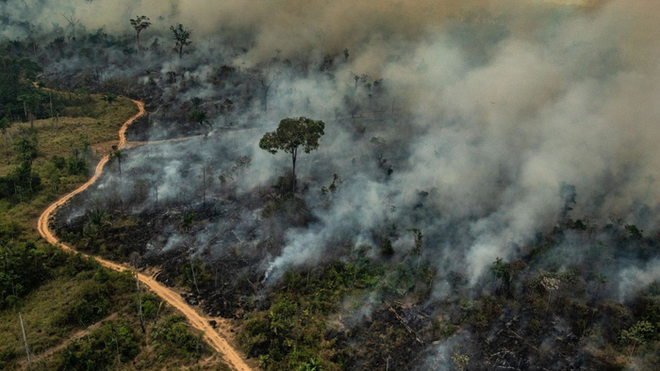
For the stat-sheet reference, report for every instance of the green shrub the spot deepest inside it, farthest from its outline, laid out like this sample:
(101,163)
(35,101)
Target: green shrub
(98,351)
(94,305)
(151,305)
(76,165)
(171,336)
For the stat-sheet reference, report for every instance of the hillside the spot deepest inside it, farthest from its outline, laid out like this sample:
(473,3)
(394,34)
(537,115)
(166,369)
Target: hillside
(68,303)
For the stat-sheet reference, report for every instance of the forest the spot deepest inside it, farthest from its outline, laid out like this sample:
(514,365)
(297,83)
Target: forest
(324,186)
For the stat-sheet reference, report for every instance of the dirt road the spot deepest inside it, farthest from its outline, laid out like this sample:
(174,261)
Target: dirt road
(230,355)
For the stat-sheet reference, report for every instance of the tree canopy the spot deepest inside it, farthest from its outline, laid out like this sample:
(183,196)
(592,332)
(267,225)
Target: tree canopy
(181,38)
(291,134)
(140,23)
(16,91)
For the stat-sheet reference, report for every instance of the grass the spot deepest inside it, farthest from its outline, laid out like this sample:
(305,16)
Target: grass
(61,138)
(96,122)
(46,314)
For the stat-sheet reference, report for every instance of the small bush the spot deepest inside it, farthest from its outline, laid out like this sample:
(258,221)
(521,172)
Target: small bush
(171,336)
(112,341)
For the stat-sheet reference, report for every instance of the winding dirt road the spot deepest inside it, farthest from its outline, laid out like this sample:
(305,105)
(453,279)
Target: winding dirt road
(230,355)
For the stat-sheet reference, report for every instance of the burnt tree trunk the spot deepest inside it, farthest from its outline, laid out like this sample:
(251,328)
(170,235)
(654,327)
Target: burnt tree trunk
(137,42)
(137,284)
(294,156)
(27,350)
(265,96)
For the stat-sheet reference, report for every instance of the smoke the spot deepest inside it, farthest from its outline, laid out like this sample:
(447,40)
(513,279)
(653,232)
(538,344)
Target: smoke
(445,355)
(634,279)
(493,105)
(495,140)
(462,119)
(293,26)
(465,118)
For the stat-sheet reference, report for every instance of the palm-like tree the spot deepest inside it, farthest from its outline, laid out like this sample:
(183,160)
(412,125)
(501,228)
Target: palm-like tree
(97,216)
(109,98)
(187,220)
(196,102)
(117,154)
(199,117)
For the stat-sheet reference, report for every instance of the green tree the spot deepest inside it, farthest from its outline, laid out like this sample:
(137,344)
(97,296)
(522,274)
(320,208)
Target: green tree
(30,101)
(109,98)
(117,154)
(181,38)
(75,164)
(26,148)
(140,23)
(501,270)
(313,365)
(292,133)
(187,221)
(170,335)
(196,101)
(199,117)
(5,124)
(461,361)
(23,269)
(112,342)
(637,334)
(16,76)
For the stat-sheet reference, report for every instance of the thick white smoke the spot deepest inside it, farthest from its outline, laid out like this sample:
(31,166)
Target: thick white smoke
(495,104)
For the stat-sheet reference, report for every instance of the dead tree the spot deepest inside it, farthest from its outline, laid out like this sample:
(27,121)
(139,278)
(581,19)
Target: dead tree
(417,249)
(72,23)
(204,186)
(27,350)
(227,107)
(192,270)
(15,301)
(406,326)
(135,259)
(266,76)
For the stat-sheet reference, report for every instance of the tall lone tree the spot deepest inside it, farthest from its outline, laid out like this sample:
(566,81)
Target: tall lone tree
(292,133)
(181,38)
(140,23)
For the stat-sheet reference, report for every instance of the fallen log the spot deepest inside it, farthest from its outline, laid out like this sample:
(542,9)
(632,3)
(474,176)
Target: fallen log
(405,325)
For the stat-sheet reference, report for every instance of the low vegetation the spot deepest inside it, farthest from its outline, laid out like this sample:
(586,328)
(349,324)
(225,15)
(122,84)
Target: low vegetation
(77,314)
